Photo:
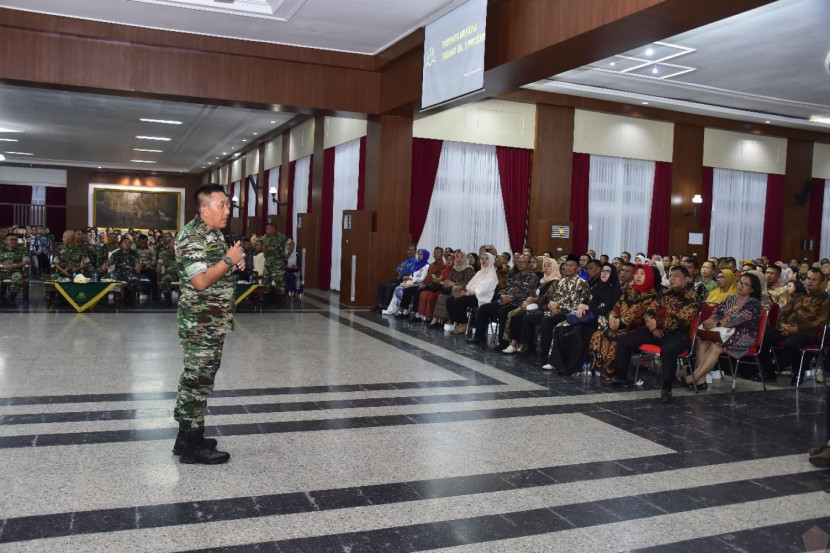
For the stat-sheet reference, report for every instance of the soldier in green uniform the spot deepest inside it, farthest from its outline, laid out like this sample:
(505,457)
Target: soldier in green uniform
(71,258)
(273,276)
(82,238)
(205,316)
(13,258)
(125,268)
(167,267)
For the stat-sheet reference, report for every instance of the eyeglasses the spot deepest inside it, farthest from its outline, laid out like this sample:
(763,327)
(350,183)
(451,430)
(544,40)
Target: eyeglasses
(606,271)
(742,283)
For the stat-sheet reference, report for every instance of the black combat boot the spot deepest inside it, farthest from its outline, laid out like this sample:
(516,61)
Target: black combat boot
(12,297)
(179,445)
(168,299)
(197,451)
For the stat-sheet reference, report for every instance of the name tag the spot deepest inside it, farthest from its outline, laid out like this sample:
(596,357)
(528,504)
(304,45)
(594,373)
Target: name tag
(213,246)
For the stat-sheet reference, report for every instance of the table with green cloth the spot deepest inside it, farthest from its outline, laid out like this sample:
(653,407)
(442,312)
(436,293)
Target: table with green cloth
(245,289)
(84,296)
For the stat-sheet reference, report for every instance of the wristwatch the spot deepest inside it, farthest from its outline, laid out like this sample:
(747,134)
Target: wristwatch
(228,260)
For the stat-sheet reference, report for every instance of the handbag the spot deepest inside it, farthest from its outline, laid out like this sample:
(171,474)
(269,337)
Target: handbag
(586,319)
(433,287)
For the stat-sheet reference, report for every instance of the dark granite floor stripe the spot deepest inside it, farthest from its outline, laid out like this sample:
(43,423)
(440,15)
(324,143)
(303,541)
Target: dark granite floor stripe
(112,436)
(154,516)
(130,414)
(419,537)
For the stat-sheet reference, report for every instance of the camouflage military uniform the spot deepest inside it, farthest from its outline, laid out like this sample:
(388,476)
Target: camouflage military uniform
(12,257)
(123,264)
(167,259)
(204,318)
(94,255)
(273,276)
(69,258)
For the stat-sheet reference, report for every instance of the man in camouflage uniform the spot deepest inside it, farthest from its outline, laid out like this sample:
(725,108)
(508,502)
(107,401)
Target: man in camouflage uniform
(82,238)
(273,276)
(125,268)
(205,316)
(13,258)
(71,258)
(167,267)
(147,260)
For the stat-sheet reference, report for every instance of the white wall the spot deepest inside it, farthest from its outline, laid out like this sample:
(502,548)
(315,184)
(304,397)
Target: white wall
(252,162)
(744,152)
(821,161)
(302,141)
(236,170)
(492,122)
(32,176)
(340,130)
(616,135)
(273,153)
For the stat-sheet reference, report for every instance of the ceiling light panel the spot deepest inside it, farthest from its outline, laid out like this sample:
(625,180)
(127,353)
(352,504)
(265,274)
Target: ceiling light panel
(141,161)
(19,153)
(159,138)
(8,140)
(162,121)
(279,10)
(146,150)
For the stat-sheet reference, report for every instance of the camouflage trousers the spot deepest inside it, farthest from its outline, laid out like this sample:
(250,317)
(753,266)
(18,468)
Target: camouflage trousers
(273,276)
(165,281)
(202,357)
(130,278)
(17,280)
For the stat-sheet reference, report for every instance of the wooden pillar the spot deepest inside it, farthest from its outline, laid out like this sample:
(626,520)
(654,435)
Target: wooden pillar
(798,169)
(284,183)
(686,179)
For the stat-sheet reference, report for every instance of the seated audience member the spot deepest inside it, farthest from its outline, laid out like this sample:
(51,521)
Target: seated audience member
(803,270)
(667,326)
(605,259)
(69,259)
(627,316)
(293,277)
(460,276)
(478,292)
(618,263)
(747,265)
(432,282)
(571,291)
(539,303)
(766,303)
(167,267)
(741,313)
(569,347)
(13,257)
(727,286)
(825,269)
(386,290)
(473,260)
(696,278)
(772,275)
(661,270)
(429,295)
(419,273)
(626,272)
(799,324)
(147,262)
(583,266)
(518,287)
(126,268)
(626,257)
(502,269)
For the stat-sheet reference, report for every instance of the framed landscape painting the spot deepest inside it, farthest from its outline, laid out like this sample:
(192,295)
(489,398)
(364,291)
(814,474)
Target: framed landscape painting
(136,207)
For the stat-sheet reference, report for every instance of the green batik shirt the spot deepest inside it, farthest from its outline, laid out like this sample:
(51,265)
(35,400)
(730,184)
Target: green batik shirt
(209,311)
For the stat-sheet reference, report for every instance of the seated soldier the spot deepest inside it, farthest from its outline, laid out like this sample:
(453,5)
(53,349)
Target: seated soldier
(147,262)
(126,268)
(13,258)
(167,267)
(70,258)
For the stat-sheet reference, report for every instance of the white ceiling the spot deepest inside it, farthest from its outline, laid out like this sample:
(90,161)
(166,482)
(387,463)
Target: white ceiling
(765,65)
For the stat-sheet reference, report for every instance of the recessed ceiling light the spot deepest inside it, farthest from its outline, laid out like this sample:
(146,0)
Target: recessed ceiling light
(9,129)
(162,121)
(99,167)
(649,52)
(237,154)
(645,103)
(217,157)
(163,139)
(8,140)
(254,134)
(145,150)
(820,119)
(224,153)
(767,122)
(141,161)
(244,140)
(655,70)
(19,154)
(273,122)
(613,63)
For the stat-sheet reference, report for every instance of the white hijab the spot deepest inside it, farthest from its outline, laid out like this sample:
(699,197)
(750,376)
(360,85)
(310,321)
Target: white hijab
(485,274)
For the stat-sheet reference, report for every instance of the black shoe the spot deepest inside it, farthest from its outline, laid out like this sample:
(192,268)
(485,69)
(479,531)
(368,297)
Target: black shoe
(767,377)
(620,382)
(665,395)
(197,451)
(179,445)
(475,340)
(12,298)
(401,315)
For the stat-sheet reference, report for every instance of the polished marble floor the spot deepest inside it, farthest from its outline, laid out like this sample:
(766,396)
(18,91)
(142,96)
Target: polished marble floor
(350,431)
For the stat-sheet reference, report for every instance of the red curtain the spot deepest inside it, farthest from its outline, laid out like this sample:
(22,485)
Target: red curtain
(706,187)
(814,215)
(56,209)
(324,268)
(426,154)
(289,207)
(658,231)
(266,198)
(773,217)
(579,201)
(310,180)
(514,171)
(361,176)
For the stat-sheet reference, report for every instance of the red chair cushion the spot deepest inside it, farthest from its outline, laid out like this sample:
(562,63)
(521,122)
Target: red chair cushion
(650,348)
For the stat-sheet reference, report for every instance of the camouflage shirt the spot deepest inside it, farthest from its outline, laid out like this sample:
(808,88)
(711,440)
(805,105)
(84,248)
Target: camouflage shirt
(167,259)
(274,246)
(69,258)
(209,311)
(12,257)
(146,256)
(123,264)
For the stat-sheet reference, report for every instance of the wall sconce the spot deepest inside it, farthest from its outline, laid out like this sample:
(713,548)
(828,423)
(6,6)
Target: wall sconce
(235,201)
(697,199)
(275,196)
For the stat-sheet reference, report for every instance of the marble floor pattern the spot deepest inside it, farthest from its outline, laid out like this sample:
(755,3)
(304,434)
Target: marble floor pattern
(352,432)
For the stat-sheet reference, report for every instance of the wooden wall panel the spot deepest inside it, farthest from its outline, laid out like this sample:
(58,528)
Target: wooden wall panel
(687,173)
(389,171)
(794,227)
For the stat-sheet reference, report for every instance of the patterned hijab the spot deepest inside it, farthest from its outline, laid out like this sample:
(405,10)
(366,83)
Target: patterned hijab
(461,264)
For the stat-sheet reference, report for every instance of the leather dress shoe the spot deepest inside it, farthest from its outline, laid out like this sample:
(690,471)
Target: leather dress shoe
(817,450)
(821,459)
(620,382)
(665,395)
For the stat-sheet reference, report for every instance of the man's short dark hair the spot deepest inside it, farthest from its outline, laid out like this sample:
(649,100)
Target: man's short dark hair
(818,272)
(693,262)
(572,257)
(13,235)
(203,193)
(143,236)
(774,267)
(625,253)
(629,264)
(682,269)
(596,262)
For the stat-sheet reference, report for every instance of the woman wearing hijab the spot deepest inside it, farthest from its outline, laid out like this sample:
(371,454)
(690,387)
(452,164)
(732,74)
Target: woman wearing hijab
(742,314)
(661,268)
(478,291)
(727,286)
(473,260)
(460,276)
(541,299)
(569,348)
(627,315)
(411,295)
(419,273)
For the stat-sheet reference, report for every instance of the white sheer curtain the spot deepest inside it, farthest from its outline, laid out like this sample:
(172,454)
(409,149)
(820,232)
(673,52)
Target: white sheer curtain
(466,209)
(346,174)
(235,188)
(37,211)
(619,204)
(825,222)
(739,199)
(251,197)
(273,180)
(302,172)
